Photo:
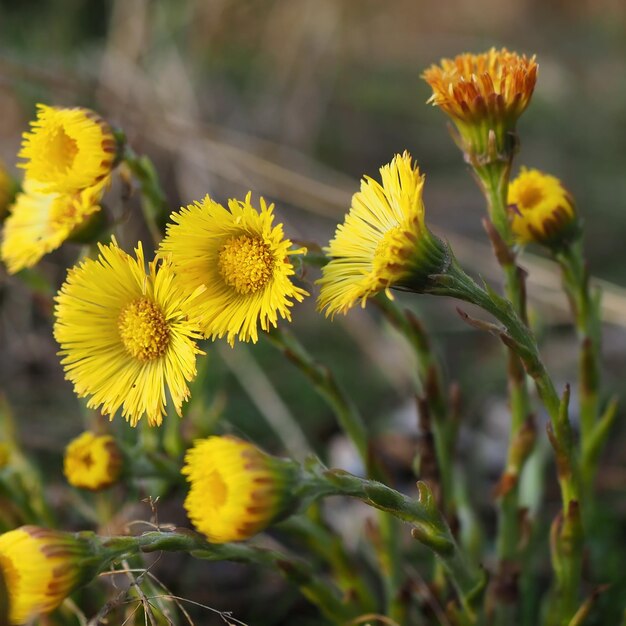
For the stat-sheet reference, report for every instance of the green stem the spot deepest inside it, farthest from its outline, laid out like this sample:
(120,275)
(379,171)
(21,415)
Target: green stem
(585,311)
(518,337)
(494,181)
(353,425)
(315,589)
(153,199)
(444,426)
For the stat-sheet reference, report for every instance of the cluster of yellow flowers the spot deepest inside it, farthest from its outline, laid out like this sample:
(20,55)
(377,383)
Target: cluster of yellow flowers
(129,330)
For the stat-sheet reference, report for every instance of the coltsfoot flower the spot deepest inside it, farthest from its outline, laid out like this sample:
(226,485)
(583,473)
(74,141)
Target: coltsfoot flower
(541,210)
(92,461)
(483,92)
(236,489)
(40,568)
(40,221)
(68,150)
(383,242)
(241,259)
(125,336)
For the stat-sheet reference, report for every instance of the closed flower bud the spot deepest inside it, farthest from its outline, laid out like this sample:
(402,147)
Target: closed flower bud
(541,210)
(236,490)
(92,461)
(40,568)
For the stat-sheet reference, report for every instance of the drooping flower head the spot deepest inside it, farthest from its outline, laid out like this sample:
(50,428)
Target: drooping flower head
(41,221)
(541,210)
(241,259)
(68,149)
(383,242)
(92,461)
(483,92)
(236,490)
(40,568)
(125,336)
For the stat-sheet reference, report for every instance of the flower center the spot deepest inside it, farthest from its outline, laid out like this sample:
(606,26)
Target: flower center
(530,197)
(216,490)
(144,330)
(61,150)
(245,263)
(386,250)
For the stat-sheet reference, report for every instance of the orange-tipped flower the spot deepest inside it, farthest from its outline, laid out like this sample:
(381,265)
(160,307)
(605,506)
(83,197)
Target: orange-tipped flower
(40,568)
(236,489)
(541,210)
(92,461)
(483,92)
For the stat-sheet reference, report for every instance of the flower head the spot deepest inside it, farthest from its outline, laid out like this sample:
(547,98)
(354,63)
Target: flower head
(92,461)
(483,92)
(68,149)
(236,489)
(241,259)
(383,242)
(40,568)
(41,221)
(125,336)
(541,210)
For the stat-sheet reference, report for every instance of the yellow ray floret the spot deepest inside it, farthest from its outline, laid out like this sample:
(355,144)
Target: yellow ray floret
(236,490)
(125,336)
(92,461)
(68,149)
(241,259)
(40,569)
(541,209)
(495,85)
(383,241)
(41,221)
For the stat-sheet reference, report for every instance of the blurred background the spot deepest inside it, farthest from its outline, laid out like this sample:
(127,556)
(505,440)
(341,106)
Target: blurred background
(296,100)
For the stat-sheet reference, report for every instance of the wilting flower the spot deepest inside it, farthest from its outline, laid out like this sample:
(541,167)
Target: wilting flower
(483,92)
(92,461)
(236,489)
(126,339)
(68,150)
(241,259)
(40,568)
(383,242)
(41,221)
(541,210)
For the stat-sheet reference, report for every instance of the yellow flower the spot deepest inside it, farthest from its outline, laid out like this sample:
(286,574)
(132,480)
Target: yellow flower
(41,221)
(236,489)
(68,149)
(383,242)
(125,337)
(40,568)
(541,209)
(92,461)
(241,259)
(483,92)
